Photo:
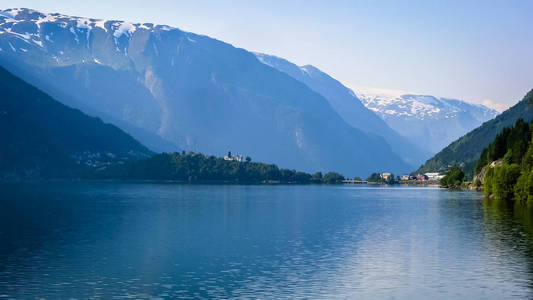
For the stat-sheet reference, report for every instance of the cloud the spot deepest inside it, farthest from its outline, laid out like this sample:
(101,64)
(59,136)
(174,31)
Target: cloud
(499,106)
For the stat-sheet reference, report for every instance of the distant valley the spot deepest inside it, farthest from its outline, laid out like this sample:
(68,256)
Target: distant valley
(416,126)
(348,106)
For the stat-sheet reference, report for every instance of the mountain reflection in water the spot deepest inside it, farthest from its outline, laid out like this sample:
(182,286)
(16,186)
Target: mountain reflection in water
(109,239)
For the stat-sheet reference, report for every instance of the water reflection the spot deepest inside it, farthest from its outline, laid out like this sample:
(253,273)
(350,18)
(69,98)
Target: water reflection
(106,240)
(509,229)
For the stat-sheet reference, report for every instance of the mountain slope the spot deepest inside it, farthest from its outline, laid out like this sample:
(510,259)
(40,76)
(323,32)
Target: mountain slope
(195,92)
(466,150)
(44,138)
(427,121)
(348,106)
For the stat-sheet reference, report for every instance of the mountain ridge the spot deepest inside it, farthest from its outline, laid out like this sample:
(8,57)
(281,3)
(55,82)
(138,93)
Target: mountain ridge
(347,105)
(198,93)
(426,119)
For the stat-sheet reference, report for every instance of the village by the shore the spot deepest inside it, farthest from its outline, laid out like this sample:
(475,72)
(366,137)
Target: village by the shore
(387,178)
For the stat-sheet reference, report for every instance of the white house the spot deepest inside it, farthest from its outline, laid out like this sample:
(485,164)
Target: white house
(386,176)
(434,176)
(233,158)
(406,177)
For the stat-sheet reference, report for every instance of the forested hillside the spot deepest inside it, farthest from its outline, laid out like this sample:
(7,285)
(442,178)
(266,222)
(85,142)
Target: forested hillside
(466,151)
(44,138)
(506,165)
(196,167)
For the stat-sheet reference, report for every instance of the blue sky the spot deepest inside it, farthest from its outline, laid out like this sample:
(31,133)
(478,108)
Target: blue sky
(472,50)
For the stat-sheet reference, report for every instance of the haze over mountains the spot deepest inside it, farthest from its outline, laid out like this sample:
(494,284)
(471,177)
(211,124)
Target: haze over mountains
(173,89)
(427,121)
(416,126)
(348,106)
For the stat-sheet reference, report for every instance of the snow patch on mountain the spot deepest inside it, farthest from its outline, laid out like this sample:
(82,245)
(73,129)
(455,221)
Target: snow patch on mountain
(83,23)
(78,26)
(11,13)
(401,104)
(263,58)
(426,120)
(25,36)
(99,24)
(190,39)
(124,28)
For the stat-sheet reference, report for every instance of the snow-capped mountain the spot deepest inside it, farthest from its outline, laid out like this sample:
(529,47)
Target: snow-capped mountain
(174,89)
(426,120)
(348,106)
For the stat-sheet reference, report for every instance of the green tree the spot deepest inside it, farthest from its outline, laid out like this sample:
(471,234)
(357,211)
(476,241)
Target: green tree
(317,176)
(524,186)
(510,145)
(508,157)
(522,189)
(488,183)
(453,178)
(504,179)
(374,177)
(333,178)
(512,180)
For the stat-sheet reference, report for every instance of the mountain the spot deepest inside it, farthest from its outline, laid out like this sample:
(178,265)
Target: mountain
(44,138)
(195,92)
(348,106)
(427,121)
(465,151)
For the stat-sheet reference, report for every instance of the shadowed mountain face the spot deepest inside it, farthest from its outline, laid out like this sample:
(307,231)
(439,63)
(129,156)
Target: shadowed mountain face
(170,88)
(44,138)
(348,106)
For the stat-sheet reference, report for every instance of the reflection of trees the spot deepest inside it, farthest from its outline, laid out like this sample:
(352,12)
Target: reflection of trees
(509,230)
(29,214)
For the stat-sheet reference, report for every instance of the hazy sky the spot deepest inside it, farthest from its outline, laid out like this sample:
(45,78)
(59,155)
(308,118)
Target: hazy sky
(472,50)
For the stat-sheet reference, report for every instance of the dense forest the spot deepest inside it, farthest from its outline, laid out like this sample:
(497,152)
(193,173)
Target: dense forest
(510,145)
(466,151)
(506,165)
(453,179)
(196,167)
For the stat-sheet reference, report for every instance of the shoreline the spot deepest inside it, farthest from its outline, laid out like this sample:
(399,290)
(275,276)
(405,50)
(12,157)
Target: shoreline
(213,182)
(169,181)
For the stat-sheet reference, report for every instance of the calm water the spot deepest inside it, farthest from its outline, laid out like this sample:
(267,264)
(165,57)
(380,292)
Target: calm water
(130,240)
